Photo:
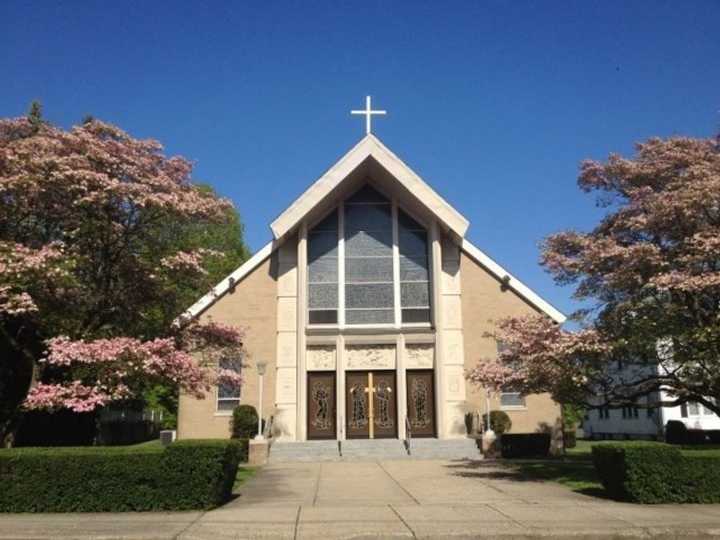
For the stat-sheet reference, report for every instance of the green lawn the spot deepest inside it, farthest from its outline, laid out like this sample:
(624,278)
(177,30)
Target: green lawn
(154,443)
(577,475)
(244,474)
(576,470)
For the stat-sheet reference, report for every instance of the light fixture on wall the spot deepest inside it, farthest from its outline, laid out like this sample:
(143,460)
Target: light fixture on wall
(261,365)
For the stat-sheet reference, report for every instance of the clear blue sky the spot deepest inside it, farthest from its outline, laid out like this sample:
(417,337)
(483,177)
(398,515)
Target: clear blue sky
(493,103)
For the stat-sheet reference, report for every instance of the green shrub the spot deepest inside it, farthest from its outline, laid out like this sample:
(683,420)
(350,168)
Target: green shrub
(186,475)
(244,422)
(675,432)
(522,445)
(650,472)
(570,439)
(499,422)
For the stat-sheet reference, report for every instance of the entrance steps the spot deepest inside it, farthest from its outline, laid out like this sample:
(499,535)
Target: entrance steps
(374,449)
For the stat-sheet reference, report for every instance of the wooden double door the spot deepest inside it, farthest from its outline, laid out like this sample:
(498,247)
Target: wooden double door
(370,405)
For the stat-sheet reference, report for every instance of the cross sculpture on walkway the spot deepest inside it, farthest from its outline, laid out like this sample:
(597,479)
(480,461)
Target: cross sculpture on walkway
(368,112)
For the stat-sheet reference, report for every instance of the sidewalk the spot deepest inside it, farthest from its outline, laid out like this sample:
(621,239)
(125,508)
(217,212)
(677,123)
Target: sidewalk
(392,499)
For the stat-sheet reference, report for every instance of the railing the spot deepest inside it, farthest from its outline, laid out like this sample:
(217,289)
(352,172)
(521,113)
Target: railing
(267,431)
(408,436)
(342,423)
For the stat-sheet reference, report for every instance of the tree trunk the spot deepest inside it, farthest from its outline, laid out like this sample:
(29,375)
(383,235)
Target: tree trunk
(17,375)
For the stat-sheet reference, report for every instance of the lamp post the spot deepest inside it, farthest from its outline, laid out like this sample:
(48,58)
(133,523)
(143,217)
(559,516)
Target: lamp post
(261,365)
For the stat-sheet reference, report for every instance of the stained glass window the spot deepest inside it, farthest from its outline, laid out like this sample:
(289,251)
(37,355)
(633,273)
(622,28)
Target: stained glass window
(414,274)
(368,284)
(369,290)
(323,271)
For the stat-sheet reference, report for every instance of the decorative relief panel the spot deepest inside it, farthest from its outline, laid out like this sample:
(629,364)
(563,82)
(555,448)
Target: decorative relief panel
(320,358)
(370,357)
(455,383)
(452,312)
(286,349)
(286,385)
(453,348)
(419,355)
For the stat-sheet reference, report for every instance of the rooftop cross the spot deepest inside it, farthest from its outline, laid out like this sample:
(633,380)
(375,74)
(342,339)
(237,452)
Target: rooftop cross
(368,112)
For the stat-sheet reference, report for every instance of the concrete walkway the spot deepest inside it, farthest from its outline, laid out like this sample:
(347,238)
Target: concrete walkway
(409,499)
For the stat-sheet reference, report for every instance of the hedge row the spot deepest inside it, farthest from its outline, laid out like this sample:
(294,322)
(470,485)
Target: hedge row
(524,445)
(652,473)
(677,433)
(187,475)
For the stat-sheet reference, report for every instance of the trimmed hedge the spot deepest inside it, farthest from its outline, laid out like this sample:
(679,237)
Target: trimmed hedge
(245,422)
(523,445)
(677,433)
(187,475)
(652,473)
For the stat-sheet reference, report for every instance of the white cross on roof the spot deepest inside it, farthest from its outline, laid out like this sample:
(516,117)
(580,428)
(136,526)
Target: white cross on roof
(368,112)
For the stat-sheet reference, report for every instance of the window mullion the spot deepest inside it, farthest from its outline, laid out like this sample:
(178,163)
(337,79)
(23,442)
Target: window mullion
(396,264)
(341,265)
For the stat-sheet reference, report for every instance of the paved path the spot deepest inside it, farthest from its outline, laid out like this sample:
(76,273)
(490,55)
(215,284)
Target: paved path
(408,499)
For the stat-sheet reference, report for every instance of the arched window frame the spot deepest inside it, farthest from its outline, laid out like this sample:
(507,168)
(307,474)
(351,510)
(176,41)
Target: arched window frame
(397,323)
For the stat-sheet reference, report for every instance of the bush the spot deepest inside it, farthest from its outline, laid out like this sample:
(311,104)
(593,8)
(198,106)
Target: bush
(522,445)
(650,472)
(244,422)
(696,436)
(713,436)
(499,422)
(187,475)
(60,428)
(118,432)
(675,432)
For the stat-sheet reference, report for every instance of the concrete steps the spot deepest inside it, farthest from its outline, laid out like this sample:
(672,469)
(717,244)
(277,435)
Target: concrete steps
(372,450)
(281,452)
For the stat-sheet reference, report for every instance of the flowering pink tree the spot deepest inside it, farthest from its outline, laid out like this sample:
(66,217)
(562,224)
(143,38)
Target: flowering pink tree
(103,242)
(102,371)
(651,271)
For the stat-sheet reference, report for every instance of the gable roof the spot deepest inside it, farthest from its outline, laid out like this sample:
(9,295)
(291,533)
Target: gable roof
(369,147)
(512,282)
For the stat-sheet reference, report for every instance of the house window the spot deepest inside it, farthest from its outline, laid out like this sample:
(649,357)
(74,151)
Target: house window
(228,396)
(512,400)
(693,408)
(604,413)
(630,412)
(359,256)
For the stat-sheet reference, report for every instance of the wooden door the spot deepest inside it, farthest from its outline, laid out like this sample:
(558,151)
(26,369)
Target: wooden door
(421,402)
(384,409)
(370,418)
(357,405)
(321,405)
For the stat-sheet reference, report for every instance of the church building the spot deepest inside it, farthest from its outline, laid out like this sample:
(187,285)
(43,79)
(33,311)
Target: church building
(368,305)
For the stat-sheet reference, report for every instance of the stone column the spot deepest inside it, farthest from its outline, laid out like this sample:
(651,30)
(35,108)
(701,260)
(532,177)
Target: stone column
(286,361)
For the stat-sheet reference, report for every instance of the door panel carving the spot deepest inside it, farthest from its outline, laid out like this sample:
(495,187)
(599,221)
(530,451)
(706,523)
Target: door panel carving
(321,405)
(370,402)
(421,402)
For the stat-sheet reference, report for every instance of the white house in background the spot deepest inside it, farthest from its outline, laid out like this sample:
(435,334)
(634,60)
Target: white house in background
(643,423)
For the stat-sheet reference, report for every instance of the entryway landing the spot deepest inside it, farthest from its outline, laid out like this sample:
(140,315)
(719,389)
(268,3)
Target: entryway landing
(373,450)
